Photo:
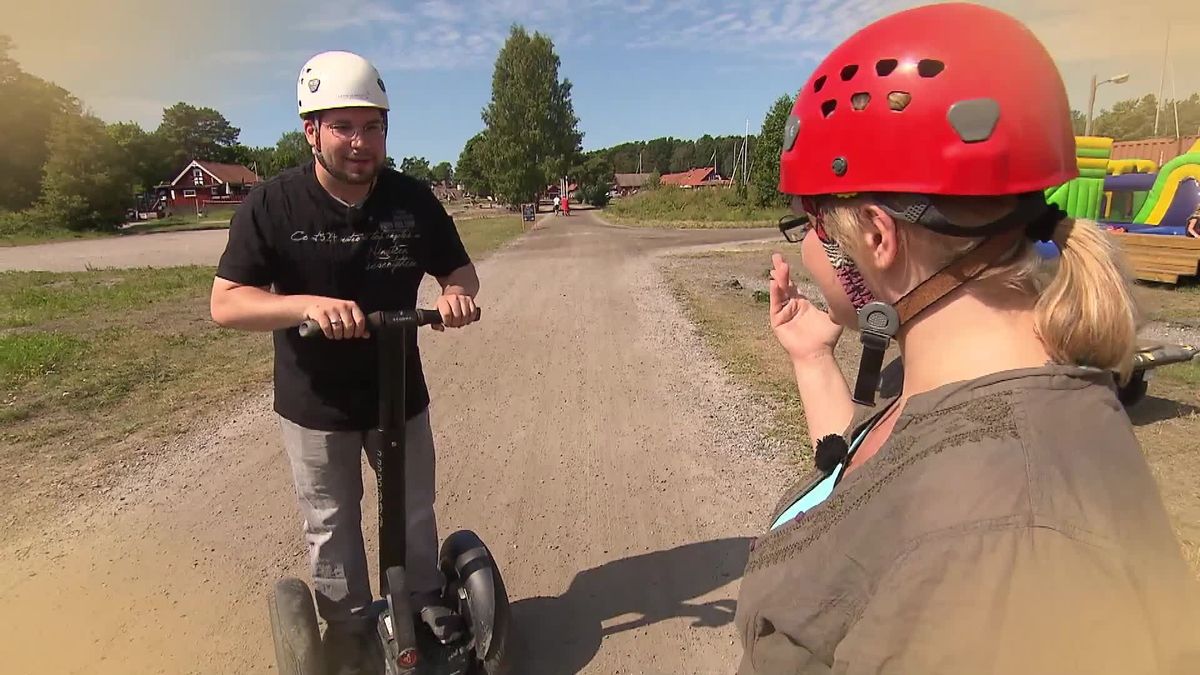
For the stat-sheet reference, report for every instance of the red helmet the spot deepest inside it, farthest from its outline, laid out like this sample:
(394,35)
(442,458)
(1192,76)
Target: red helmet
(949,99)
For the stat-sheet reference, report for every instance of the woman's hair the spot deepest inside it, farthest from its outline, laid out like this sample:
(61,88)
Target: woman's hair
(1085,312)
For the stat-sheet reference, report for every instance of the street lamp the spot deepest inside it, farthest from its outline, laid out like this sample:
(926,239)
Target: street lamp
(1119,79)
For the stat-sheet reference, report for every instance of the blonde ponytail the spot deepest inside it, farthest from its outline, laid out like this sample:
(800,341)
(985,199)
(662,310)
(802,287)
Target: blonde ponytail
(1086,314)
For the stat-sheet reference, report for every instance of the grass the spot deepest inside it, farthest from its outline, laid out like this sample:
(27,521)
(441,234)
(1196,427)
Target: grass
(1179,305)
(79,347)
(1187,374)
(98,366)
(721,293)
(483,235)
(676,207)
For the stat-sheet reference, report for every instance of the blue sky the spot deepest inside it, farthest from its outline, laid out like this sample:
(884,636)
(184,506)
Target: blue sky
(640,68)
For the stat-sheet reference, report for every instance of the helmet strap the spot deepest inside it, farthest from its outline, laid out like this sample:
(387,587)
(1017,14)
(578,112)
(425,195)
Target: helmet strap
(879,322)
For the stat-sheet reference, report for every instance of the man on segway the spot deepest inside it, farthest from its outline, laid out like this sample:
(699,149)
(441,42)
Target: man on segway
(337,239)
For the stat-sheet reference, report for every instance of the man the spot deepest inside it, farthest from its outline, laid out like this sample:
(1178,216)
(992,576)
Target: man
(338,238)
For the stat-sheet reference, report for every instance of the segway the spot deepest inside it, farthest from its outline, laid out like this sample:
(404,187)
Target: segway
(473,583)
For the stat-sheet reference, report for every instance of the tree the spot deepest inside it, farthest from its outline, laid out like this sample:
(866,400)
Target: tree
(595,178)
(198,133)
(8,67)
(472,168)
(657,155)
(86,184)
(417,167)
(442,173)
(1078,122)
(1129,119)
(291,150)
(706,151)
(764,173)
(531,123)
(30,106)
(259,159)
(146,157)
(1133,119)
(683,157)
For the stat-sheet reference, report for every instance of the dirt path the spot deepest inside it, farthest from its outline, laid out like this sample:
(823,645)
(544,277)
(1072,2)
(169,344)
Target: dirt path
(163,249)
(583,432)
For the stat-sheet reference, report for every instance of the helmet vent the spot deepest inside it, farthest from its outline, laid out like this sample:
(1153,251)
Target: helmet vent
(848,72)
(899,100)
(819,84)
(860,100)
(884,67)
(930,68)
(828,107)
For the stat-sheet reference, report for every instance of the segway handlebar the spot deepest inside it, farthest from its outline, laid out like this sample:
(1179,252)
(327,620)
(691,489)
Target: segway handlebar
(310,328)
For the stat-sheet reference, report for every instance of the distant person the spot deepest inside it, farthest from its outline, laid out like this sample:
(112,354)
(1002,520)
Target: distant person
(996,515)
(338,238)
(1193,224)
(557,202)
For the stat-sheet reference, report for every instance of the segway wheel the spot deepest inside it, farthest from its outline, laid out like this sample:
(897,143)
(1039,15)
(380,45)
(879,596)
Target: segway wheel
(469,566)
(294,629)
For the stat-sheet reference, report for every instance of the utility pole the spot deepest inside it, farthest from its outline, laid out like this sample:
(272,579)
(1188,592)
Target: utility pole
(1087,129)
(1118,79)
(1162,78)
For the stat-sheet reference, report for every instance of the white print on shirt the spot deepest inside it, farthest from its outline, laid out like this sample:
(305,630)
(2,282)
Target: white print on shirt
(389,245)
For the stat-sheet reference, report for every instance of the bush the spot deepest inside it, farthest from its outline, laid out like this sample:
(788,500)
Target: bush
(596,195)
(17,224)
(712,204)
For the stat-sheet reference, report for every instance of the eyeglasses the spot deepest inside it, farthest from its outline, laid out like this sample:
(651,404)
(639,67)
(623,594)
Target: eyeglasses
(373,131)
(794,227)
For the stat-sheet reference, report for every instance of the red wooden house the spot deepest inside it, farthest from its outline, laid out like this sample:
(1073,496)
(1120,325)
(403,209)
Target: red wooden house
(203,185)
(695,178)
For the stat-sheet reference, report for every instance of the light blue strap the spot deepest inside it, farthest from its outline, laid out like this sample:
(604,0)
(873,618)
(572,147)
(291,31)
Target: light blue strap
(820,492)
(811,498)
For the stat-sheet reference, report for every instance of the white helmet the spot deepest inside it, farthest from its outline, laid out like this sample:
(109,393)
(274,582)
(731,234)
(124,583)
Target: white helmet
(339,80)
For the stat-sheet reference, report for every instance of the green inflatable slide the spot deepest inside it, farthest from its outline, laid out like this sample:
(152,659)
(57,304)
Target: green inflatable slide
(1081,197)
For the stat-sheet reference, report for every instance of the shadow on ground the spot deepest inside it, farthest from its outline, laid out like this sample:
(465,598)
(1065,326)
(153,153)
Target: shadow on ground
(1156,409)
(562,635)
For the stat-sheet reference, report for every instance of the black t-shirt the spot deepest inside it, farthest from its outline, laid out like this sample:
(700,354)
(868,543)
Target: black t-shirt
(291,233)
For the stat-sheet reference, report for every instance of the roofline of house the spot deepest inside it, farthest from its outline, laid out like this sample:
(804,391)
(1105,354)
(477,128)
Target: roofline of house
(199,166)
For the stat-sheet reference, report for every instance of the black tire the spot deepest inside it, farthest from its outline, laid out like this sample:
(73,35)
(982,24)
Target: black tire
(294,629)
(1134,390)
(467,563)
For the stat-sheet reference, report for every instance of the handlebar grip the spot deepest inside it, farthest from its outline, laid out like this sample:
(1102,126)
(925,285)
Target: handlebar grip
(310,328)
(427,317)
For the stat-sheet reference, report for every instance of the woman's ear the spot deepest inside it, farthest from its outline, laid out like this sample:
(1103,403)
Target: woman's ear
(881,240)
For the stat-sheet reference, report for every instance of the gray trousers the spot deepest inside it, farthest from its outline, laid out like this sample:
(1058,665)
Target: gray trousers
(327,471)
